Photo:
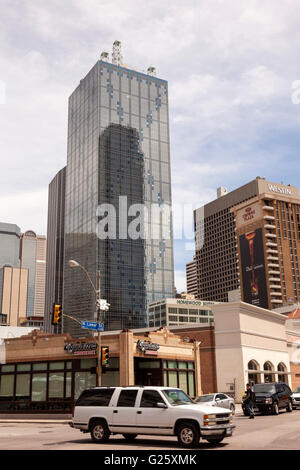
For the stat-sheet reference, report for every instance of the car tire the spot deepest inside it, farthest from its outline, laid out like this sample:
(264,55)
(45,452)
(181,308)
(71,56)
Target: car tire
(129,437)
(289,408)
(99,431)
(188,435)
(215,441)
(275,409)
(232,408)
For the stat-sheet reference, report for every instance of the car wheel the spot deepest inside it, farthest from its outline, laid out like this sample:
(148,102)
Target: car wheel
(188,435)
(129,437)
(99,431)
(275,409)
(215,441)
(232,408)
(289,407)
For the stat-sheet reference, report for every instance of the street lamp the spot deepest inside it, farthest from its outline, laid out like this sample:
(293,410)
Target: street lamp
(75,264)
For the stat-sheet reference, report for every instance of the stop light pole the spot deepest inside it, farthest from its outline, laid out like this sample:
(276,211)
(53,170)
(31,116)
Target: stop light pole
(100,305)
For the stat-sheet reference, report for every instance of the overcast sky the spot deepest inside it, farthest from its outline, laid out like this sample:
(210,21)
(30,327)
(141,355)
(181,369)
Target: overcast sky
(230,64)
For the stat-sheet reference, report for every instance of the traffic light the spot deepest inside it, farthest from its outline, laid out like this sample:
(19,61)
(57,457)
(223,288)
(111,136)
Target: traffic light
(57,313)
(104,356)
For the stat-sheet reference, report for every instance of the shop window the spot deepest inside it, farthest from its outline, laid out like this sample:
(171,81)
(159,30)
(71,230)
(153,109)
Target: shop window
(7,386)
(182,365)
(68,384)
(8,368)
(183,381)
(173,379)
(56,365)
(23,367)
(172,364)
(39,387)
(127,398)
(56,385)
(39,366)
(191,384)
(23,386)
(83,380)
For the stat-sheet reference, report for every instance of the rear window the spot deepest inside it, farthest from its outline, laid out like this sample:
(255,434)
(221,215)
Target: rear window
(95,397)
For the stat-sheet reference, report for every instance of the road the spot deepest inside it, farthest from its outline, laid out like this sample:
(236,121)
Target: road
(280,432)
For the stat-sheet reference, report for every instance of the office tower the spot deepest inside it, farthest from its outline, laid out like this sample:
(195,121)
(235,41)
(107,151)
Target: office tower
(191,278)
(216,244)
(22,274)
(55,247)
(13,294)
(33,258)
(268,237)
(9,245)
(118,146)
(247,245)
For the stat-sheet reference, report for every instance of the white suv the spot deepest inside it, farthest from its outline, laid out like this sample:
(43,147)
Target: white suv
(149,410)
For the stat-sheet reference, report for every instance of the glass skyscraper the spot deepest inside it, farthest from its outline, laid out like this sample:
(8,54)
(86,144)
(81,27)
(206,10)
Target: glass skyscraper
(118,156)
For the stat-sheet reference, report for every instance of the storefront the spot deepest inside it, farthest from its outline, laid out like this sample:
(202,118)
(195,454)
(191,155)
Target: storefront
(45,373)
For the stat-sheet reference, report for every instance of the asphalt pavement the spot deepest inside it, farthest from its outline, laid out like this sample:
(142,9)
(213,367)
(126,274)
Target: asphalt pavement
(271,432)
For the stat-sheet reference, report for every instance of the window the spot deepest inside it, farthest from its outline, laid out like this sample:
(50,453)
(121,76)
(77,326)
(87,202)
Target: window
(150,398)
(95,397)
(127,398)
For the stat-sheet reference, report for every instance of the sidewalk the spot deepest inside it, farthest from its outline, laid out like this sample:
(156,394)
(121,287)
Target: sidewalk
(35,418)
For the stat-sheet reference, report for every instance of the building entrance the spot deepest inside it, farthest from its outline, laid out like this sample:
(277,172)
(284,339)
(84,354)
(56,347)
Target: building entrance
(148,372)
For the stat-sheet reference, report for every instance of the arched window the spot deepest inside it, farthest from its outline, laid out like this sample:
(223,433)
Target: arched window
(283,376)
(253,377)
(268,376)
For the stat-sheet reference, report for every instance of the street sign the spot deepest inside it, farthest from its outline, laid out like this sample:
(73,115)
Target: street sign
(90,325)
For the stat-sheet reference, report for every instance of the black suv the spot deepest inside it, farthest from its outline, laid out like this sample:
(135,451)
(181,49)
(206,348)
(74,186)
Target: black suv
(271,397)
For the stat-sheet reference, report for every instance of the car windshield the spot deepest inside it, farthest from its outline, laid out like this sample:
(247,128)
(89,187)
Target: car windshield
(297,390)
(205,398)
(177,397)
(264,388)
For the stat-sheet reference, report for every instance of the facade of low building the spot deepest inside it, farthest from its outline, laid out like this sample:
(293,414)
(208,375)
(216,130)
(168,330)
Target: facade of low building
(46,373)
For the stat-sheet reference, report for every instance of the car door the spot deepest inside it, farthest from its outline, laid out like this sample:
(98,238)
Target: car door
(221,400)
(281,396)
(151,419)
(123,413)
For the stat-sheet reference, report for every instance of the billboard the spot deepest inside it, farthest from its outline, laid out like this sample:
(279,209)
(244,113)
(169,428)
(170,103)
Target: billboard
(253,269)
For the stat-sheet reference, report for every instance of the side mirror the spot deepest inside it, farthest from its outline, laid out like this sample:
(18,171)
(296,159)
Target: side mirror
(218,399)
(161,405)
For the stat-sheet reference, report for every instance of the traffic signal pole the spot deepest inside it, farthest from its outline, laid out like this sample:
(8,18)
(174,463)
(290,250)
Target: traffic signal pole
(99,368)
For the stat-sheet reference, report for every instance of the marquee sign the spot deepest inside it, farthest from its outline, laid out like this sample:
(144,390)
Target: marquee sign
(81,348)
(147,348)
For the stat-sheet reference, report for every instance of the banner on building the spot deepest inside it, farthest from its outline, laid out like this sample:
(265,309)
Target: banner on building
(253,269)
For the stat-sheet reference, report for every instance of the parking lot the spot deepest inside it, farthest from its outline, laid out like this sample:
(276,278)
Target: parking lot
(263,433)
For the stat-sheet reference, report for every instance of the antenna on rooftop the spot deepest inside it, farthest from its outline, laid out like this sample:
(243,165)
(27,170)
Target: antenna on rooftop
(151,71)
(104,56)
(117,57)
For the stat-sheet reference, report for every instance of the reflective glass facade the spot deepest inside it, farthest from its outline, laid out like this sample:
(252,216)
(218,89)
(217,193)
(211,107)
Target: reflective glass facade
(118,145)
